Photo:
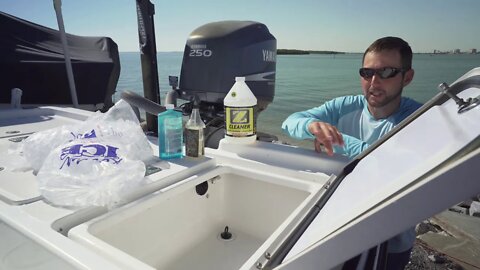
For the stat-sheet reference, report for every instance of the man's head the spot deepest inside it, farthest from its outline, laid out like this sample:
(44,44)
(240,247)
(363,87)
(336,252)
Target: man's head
(394,44)
(387,68)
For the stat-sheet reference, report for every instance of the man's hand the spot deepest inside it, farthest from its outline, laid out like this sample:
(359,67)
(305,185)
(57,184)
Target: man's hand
(326,136)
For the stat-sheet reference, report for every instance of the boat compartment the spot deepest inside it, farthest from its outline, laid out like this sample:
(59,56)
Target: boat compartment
(181,226)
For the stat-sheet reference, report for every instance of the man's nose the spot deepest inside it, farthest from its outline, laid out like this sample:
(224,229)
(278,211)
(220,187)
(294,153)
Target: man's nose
(375,79)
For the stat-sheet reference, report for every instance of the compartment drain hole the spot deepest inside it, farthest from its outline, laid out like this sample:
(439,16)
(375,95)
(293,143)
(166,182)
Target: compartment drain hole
(202,188)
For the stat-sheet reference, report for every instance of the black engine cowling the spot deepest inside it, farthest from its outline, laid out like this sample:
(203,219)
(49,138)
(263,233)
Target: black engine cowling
(218,52)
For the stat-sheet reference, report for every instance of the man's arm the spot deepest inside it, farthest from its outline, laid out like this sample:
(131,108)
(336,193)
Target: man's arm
(317,123)
(320,124)
(297,124)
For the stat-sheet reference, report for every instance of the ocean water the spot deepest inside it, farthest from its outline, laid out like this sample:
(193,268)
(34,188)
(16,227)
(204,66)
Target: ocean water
(306,81)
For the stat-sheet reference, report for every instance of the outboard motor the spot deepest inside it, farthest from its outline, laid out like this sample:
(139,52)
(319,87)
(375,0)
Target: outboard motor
(218,52)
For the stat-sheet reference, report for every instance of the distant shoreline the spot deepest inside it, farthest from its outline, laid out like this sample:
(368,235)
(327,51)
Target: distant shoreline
(300,52)
(307,52)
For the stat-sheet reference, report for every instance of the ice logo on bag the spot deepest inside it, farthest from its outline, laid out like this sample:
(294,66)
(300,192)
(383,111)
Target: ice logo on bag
(87,135)
(93,151)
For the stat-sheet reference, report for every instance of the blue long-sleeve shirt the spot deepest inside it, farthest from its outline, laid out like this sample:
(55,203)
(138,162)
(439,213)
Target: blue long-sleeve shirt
(351,117)
(359,129)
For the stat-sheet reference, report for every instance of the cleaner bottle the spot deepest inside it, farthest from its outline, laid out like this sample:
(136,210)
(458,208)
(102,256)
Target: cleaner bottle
(240,122)
(194,135)
(170,133)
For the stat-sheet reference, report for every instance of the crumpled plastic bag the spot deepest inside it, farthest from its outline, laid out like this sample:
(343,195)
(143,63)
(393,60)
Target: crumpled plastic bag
(14,160)
(37,146)
(93,163)
(120,122)
(88,172)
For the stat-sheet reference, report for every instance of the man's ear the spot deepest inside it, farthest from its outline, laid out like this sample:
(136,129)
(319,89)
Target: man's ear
(408,77)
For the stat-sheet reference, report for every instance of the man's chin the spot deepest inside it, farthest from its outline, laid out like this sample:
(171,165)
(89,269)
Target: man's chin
(375,102)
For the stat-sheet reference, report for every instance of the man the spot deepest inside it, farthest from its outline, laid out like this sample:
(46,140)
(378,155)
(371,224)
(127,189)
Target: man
(348,125)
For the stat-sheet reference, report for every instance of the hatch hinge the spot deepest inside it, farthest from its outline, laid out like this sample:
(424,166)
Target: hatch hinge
(463,105)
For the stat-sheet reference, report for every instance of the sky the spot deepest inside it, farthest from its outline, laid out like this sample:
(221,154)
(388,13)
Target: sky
(336,25)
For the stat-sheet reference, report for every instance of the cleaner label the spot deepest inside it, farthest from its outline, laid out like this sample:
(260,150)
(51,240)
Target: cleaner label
(173,131)
(194,146)
(240,121)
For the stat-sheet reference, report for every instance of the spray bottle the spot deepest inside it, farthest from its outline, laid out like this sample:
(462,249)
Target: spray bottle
(194,136)
(239,105)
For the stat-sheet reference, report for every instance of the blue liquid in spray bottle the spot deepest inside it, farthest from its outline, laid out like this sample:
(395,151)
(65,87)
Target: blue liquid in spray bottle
(170,133)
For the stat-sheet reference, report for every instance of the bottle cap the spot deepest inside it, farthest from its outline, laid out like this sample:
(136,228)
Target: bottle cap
(196,101)
(239,79)
(169,106)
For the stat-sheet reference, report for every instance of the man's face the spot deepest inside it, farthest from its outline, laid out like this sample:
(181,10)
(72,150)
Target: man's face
(383,92)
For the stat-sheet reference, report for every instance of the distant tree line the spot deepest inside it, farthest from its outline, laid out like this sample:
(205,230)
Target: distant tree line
(293,51)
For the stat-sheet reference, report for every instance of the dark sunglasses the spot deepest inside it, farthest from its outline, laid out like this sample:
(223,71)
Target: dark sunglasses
(384,73)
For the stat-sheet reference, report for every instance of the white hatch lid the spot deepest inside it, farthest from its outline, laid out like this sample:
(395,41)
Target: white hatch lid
(388,170)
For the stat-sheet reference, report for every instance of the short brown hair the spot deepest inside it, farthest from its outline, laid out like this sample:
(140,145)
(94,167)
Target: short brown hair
(393,43)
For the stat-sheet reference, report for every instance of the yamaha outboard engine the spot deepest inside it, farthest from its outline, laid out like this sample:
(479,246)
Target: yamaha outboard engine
(218,52)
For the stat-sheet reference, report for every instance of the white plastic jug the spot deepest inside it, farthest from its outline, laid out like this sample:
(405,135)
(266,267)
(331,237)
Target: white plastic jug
(240,105)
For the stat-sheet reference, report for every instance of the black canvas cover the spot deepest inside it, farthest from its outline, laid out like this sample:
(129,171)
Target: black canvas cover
(32,59)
